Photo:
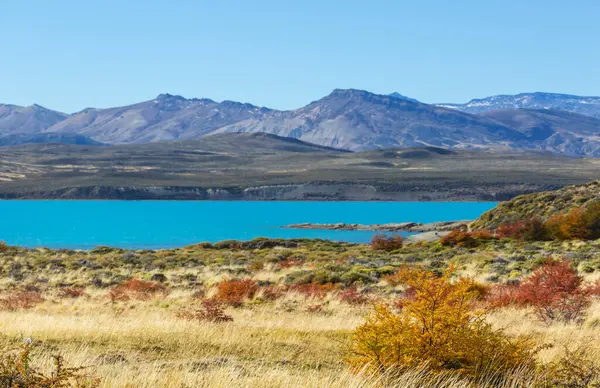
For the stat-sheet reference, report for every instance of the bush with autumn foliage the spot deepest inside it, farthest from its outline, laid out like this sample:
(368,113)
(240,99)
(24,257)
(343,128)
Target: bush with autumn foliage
(459,238)
(234,292)
(554,290)
(382,242)
(440,328)
(531,229)
(136,289)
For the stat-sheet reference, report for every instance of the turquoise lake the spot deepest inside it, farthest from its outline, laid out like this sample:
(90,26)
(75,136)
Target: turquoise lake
(166,224)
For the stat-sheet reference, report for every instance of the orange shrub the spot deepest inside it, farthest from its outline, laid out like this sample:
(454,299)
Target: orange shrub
(136,289)
(291,262)
(21,300)
(234,292)
(439,328)
(315,289)
(209,311)
(382,242)
(577,224)
(466,239)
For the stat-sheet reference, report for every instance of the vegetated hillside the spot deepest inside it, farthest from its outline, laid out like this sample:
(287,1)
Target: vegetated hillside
(359,120)
(264,167)
(588,106)
(543,205)
(552,130)
(67,138)
(27,120)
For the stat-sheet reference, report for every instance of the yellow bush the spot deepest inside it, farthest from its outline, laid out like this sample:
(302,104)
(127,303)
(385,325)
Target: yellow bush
(438,327)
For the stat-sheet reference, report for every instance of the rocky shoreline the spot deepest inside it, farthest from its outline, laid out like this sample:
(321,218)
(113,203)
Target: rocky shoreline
(416,227)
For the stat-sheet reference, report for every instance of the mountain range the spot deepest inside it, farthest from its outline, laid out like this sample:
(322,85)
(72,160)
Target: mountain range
(347,119)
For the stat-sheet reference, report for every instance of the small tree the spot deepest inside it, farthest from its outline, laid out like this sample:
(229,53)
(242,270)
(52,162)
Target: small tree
(437,327)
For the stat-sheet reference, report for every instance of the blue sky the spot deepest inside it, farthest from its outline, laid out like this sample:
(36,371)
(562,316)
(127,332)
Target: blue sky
(68,55)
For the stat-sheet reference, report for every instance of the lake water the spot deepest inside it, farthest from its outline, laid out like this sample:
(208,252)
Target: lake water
(165,224)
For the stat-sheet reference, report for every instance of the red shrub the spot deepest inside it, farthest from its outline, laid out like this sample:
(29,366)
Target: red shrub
(209,310)
(70,292)
(315,290)
(382,242)
(531,229)
(503,295)
(20,300)
(466,239)
(234,292)
(353,297)
(136,289)
(593,289)
(554,290)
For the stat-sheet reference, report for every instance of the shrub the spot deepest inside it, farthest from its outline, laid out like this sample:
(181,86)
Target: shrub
(21,300)
(577,224)
(576,368)
(70,292)
(437,328)
(353,297)
(234,292)
(16,371)
(291,262)
(554,290)
(532,229)
(136,289)
(272,292)
(315,289)
(3,246)
(503,295)
(209,311)
(382,242)
(466,239)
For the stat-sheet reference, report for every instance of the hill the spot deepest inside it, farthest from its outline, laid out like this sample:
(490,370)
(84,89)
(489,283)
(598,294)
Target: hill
(542,204)
(264,167)
(68,138)
(554,131)
(588,106)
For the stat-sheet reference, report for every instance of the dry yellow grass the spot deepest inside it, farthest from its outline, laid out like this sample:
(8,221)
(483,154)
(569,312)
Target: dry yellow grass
(280,344)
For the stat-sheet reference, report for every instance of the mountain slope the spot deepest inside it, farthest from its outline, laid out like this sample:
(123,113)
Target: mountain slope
(27,119)
(358,120)
(554,131)
(588,106)
(165,118)
(347,119)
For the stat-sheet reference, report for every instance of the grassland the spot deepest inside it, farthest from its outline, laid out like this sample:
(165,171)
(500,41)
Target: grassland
(294,331)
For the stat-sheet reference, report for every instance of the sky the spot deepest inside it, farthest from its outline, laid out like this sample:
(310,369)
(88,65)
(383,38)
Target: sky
(69,55)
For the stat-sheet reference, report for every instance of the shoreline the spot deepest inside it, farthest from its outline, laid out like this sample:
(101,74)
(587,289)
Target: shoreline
(416,227)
